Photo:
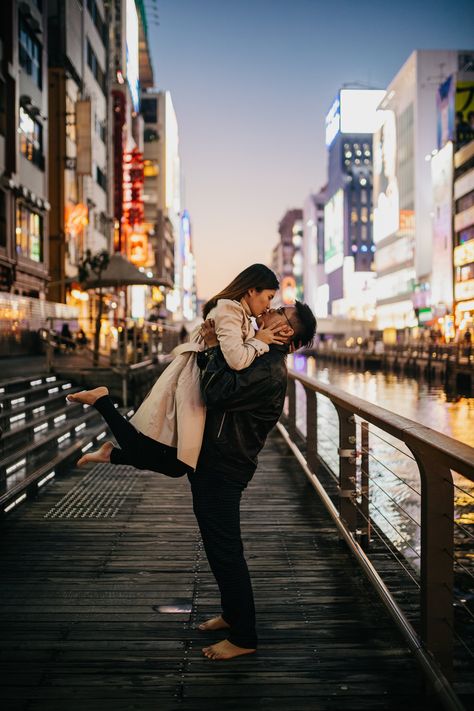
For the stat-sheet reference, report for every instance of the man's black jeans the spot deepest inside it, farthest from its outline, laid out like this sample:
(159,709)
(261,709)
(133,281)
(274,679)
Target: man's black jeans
(216,503)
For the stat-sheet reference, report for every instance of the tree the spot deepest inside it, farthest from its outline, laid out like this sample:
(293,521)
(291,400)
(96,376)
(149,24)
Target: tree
(96,265)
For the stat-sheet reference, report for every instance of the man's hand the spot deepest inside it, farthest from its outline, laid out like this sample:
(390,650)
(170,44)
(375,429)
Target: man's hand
(208,333)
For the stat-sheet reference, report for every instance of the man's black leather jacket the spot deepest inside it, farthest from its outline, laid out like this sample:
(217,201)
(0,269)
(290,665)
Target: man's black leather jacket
(242,408)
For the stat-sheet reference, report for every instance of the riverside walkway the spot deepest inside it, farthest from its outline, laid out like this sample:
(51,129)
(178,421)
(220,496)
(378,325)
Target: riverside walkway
(104,581)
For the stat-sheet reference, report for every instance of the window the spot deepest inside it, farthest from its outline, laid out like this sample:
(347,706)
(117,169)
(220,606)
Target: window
(150,135)
(150,169)
(3,115)
(465,235)
(100,128)
(99,23)
(29,233)
(3,220)
(95,67)
(30,53)
(465,202)
(149,110)
(100,178)
(31,139)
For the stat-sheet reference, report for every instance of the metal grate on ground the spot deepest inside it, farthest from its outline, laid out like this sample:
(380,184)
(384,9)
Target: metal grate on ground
(101,494)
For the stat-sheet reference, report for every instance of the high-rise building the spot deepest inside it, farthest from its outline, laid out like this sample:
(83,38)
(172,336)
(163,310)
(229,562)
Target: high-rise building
(403,196)
(315,288)
(160,226)
(163,194)
(24,201)
(348,240)
(79,125)
(289,253)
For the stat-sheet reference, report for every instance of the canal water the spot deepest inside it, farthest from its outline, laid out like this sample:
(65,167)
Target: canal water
(394,479)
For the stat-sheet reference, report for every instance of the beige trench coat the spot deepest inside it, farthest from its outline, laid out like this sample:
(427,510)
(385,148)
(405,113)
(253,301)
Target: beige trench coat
(173,411)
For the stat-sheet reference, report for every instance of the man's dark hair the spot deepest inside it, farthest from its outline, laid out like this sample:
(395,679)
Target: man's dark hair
(305,326)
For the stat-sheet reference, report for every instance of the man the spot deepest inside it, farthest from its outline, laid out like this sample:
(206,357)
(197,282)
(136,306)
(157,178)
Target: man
(242,408)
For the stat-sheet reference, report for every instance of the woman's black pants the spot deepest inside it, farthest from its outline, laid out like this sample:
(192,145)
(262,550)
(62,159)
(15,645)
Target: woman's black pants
(136,448)
(216,503)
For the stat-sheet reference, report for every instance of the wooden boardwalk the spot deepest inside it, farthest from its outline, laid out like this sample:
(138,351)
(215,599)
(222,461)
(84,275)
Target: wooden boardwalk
(104,580)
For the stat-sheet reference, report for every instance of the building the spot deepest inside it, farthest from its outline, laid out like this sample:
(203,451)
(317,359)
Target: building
(315,287)
(403,195)
(464,238)
(160,226)
(24,200)
(79,123)
(288,255)
(348,239)
(162,197)
(452,173)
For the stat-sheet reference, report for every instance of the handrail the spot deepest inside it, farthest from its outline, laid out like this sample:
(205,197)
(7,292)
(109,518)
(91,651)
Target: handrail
(436,455)
(456,455)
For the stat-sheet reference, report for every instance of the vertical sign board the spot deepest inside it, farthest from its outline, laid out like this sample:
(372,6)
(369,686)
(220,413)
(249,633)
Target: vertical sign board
(442,269)
(84,137)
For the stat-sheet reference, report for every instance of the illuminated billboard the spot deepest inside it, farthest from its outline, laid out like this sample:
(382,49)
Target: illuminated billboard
(334,232)
(442,267)
(131,48)
(386,199)
(354,111)
(359,110)
(455,109)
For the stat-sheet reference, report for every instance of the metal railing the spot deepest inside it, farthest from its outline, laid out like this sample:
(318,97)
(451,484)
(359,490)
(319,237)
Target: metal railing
(434,457)
(130,345)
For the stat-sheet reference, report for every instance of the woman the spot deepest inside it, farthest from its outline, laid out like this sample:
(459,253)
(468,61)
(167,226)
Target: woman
(165,434)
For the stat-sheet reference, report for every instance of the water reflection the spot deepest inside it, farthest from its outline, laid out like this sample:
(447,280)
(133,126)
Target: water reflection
(394,491)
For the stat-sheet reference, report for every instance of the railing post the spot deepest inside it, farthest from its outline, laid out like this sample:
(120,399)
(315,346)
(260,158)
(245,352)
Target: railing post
(347,468)
(291,390)
(437,558)
(311,429)
(364,485)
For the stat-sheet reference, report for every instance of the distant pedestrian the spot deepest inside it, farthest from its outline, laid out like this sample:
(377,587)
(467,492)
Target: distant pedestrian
(183,334)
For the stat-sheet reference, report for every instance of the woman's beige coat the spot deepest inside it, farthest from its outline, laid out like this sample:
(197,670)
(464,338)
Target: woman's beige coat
(173,411)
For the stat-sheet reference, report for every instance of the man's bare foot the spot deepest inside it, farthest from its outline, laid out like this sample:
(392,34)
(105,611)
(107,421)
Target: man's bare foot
(88,397)
(102,455)
(215,623)
(225,650)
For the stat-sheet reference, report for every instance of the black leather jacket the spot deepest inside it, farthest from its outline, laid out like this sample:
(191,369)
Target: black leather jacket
(242,408)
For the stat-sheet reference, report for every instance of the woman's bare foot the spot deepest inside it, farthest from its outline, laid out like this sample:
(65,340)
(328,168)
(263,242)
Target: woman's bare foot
(102,455)
(88,397)
(215,623)
(225,650)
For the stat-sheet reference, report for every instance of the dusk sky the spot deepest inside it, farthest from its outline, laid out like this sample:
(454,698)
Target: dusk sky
(251,82)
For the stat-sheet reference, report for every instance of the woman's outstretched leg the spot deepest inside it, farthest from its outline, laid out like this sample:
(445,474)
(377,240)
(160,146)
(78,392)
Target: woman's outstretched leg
(124,432)
(136,448)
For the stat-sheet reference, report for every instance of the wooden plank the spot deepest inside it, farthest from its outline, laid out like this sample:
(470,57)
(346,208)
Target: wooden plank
(80,607)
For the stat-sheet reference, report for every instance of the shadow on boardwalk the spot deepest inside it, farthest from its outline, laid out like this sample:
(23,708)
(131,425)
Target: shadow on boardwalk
(105,579)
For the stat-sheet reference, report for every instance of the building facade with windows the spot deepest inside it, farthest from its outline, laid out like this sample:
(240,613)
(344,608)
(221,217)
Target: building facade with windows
(163,206)
(24,203)
(288,255)
(315,287)
(79,124)
(348,238)
(404,212)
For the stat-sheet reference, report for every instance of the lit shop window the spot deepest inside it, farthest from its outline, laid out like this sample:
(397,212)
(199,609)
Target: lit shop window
(29,233)
(30,52)
(31,139)
(150,169)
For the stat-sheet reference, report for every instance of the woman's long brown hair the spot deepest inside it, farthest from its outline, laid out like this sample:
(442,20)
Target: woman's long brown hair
(257,276)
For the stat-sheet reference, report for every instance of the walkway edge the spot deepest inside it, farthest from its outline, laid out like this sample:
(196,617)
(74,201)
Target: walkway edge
(435,677)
